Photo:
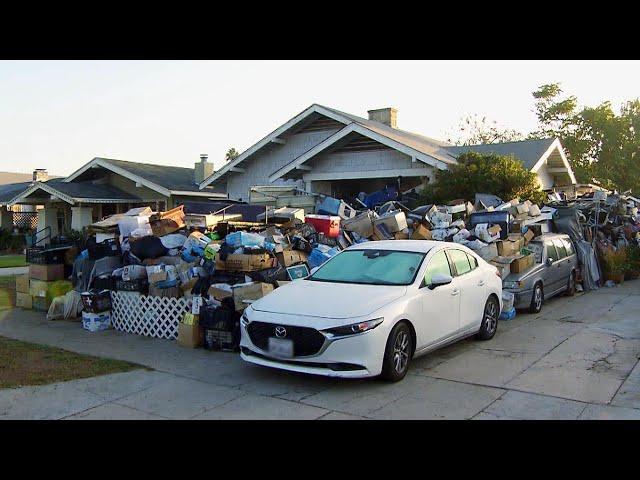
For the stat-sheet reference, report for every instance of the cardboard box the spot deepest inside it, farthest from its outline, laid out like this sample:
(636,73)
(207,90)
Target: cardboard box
(24,300)
(49,290)
(47,272)
(421,233)
(95,322)
(22,283)
(489,252)
(394,221)
(280,283)
(361,224)
(522,263)
(382,232)
(401,235)
(190,336)
(291,257)
(245,263)
(494,230)
(528,236)
(510,246)
(249,291)
(219,293)
(503,264)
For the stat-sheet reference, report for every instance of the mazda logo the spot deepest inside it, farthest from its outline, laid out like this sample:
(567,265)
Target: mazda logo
(281,332)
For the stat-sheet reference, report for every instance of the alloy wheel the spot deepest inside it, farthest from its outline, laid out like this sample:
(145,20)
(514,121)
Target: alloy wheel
(401,352)
(537,298)
(491,317)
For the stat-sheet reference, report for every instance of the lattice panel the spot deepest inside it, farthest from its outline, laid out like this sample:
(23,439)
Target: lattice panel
(157,317)
(27,220)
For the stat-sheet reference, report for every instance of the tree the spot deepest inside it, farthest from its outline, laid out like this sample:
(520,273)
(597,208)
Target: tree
(600,144)
(231,154)
(504,176)
(474,129)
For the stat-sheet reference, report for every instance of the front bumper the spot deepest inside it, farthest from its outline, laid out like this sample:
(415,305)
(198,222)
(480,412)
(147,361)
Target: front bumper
(356,356)
(522,298)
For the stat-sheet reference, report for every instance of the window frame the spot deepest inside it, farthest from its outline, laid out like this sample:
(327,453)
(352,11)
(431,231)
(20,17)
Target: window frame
(556,242)
(452,264)
(568,245)
(424,283)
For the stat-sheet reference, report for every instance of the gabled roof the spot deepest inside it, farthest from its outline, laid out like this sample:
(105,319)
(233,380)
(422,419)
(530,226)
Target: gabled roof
(423,148)
(85,192)
(528,152)
(164,179)
(9,191)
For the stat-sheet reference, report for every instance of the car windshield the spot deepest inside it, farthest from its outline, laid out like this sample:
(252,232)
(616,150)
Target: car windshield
(370,267)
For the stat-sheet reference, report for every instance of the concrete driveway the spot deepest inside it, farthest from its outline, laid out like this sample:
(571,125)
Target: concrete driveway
(578,359)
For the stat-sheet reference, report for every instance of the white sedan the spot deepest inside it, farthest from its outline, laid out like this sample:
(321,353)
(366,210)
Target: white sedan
(373,307)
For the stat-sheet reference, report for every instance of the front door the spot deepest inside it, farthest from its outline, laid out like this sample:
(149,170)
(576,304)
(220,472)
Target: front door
(440,305)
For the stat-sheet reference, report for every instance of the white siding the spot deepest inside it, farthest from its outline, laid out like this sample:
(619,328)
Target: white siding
(545,179)
(385,159)
(264,163)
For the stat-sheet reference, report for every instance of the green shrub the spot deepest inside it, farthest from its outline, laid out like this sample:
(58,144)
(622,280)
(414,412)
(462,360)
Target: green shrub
(499,175)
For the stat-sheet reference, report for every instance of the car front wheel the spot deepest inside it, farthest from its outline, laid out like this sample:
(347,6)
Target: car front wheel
(490,316)
(536,299)
(397,354)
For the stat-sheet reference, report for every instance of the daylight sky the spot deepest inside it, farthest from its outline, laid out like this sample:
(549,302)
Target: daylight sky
(60,114)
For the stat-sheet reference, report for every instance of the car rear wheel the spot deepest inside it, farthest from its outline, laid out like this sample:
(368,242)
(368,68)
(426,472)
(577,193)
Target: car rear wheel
(490,316)
(536,299)
(571,286)
(397,354)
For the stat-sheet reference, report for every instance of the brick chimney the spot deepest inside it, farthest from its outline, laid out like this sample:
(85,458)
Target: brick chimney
(40,175)
(202,169)
(388,116)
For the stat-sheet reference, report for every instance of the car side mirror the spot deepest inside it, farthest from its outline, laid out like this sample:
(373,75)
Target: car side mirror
(440,279)
(313,270)
(549,262)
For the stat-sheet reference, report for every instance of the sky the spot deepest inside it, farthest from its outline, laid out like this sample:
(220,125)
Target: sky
(59,115)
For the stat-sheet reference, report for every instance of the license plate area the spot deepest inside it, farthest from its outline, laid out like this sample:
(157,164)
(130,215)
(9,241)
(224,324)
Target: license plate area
(281,347)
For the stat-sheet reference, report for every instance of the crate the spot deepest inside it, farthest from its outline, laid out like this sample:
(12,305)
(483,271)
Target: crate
(96,301)
(140,285)
(215,339)
(38,256)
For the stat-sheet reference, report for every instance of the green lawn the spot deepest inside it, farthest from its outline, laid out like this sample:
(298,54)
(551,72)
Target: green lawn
(7,292)
(13,261)
(23,363)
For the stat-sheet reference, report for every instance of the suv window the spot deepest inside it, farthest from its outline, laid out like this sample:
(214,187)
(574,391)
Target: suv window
(562,250)
(460,260)
(551,250)
(569,246)
(438,264)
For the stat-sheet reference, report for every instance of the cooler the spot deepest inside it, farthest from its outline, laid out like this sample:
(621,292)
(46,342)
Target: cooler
(327,224)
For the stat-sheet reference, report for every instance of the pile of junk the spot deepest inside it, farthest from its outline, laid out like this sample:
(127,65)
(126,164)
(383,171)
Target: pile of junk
(221,265)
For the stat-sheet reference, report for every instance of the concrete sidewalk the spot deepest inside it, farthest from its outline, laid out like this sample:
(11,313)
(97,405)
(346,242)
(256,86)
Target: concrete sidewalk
(577,359)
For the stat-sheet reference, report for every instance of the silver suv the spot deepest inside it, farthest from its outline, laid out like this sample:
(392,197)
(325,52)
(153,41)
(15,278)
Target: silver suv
(554,272)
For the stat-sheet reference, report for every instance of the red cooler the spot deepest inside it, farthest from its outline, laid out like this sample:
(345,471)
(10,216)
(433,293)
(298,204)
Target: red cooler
(327,224)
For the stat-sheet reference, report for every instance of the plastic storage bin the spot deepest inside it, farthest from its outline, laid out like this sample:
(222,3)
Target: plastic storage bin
(95,301)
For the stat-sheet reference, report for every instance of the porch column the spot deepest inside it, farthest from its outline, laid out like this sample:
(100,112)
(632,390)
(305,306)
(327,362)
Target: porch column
(81,217)
(47,217)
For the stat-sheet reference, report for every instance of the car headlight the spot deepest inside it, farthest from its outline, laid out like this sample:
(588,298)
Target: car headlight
(512,284)
(354,328)
(244,320)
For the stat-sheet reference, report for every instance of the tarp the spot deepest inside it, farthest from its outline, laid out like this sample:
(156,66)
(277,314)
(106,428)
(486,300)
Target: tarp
(589,262)
(567,221)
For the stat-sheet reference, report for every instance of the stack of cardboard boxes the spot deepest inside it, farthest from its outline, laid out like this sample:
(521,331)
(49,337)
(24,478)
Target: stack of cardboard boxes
(40,286)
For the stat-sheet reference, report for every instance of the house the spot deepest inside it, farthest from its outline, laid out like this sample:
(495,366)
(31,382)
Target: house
(323,150)
(106,186)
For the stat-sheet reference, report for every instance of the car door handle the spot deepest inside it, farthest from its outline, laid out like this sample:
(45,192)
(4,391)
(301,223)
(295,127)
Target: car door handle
(455,292)
(481,283)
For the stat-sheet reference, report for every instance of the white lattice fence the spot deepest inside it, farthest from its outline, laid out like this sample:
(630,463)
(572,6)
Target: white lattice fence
(146,315)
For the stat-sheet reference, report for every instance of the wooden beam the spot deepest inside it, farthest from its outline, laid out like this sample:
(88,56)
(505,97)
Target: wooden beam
(237,170)
(280,141)
(306,168)
(557,170)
